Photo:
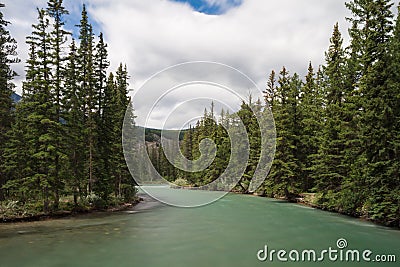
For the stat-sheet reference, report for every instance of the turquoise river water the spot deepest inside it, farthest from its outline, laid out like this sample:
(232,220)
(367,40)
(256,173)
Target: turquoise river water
(237,230)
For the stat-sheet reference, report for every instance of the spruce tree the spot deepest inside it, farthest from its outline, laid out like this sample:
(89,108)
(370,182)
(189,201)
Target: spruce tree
(249,119)
(330,167)
(283,178)
(108,136)
(73,115)
(310,110)
(41,128)
(123,182)
(8,54)
(390,202)
(16,165)
(102,171)
(373,31)
(101,65)
(87,92)
(58,38)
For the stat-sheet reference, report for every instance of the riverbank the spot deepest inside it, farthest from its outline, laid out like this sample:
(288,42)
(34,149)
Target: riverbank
(13,216)
(311,200)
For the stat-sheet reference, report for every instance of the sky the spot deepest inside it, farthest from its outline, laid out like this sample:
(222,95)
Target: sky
(250,36)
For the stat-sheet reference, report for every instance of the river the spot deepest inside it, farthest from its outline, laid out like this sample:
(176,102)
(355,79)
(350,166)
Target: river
(228,232)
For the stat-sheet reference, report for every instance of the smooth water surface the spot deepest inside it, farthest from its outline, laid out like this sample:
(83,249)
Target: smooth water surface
(228,232)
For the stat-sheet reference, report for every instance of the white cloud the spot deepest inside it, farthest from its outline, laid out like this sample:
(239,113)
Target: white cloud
(255,37)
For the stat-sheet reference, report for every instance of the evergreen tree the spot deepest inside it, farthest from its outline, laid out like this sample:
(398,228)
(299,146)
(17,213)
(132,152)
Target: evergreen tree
(41,129)
(387,206)
(123,179)
(8,54)
(108,136)
(330,167)
(74,124)
(101,64)
(249,119)
(88,93)
(103,121)
(270,92)
(394,87)
(186,149)
(58,38)
(373,31)
(16,167)
(310,109)
(283,179)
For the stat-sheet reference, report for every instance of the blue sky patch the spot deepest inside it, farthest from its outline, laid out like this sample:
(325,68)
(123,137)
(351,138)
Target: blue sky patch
(205,7)
(74,17)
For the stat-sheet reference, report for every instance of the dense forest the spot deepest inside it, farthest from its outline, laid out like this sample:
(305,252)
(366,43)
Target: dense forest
(338,130)
(60,145)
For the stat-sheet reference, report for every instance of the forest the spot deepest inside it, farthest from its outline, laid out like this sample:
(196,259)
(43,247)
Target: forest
(60,145)
(338,128)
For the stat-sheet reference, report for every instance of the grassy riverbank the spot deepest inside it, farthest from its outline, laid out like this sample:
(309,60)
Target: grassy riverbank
(317,200)
(14,211)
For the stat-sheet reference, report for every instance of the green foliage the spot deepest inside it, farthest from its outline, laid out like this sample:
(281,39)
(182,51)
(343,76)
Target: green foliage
(7,57)
(67,135)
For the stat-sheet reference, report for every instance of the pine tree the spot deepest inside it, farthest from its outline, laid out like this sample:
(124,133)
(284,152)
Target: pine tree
(58,38)
(73,115)
(102,171)
(108,136)
(123,181)
(18,156)
(248,117)
(87,92)
(330,166)
(389,205)
(374,26)
(283,179)
(269,93)
(41,133)
(186,149)
(310,109)
(195,178)
(223,149)
(16,167)
(8,54)
(101,64)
